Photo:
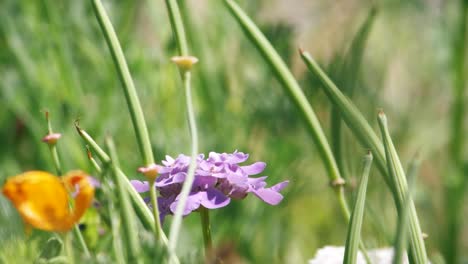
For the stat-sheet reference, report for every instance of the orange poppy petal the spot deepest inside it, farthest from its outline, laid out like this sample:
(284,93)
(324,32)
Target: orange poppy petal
(80,181)
(41,200)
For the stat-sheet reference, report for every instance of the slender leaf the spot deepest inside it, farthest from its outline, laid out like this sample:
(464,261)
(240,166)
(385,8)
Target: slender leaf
(292,88)
(126,210)
(395,170)
(357,215)
(401,241)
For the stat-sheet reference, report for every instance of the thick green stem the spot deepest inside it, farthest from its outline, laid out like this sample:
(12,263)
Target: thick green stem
(206,230)
(456,181)
(131,96)
(177,26)
(397,174)
(401,241)
(351,115)
(295,92)
(69,248)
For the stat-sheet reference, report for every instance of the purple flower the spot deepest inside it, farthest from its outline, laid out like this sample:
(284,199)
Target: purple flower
(218,179)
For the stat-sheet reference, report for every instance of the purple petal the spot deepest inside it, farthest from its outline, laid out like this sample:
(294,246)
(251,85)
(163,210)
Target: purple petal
(268,195)
(279,186)
(255,168)
(94,182)
(257,183)
(164,206)
(237,157)
(213,199)
(192,204)
(204,182)
(140,186)
(169,161)
(172,179)
(237,179)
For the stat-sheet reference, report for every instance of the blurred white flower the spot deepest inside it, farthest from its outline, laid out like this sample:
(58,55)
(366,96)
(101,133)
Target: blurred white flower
(334,255)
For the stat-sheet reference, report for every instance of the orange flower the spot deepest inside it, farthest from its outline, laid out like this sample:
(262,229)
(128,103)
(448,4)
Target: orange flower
(43,200)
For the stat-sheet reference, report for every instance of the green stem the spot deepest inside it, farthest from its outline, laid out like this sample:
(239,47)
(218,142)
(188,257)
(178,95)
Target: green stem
(140,206)
(457,181)
(179,34)
(58,167)
(355,224)
(351,115)
(131,96)
(175,226)
(206,230)
(177,26)
(295,92)
(154,202)
(401,241)
(395,170)
(69,248)
(126,211)
(79,236)
(56,159)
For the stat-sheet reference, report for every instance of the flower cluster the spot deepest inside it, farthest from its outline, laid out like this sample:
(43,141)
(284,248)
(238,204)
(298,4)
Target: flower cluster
(218,179)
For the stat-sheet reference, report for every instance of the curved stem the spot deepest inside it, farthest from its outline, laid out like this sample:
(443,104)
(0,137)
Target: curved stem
(131,96)
(175,227)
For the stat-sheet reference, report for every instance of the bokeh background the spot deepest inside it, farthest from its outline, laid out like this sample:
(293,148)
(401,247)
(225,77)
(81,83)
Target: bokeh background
(394,55)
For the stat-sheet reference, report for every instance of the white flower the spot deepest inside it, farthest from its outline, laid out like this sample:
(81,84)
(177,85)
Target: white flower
(334,255)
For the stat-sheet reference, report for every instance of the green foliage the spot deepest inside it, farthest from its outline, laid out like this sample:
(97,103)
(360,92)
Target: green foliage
(404,58)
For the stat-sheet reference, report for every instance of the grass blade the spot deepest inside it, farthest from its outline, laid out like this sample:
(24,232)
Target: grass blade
(395,170)
(295,92)
(355,224)
(142,210)
(351,115)
(402,227)
(349,76)
(126,210)
(131,96)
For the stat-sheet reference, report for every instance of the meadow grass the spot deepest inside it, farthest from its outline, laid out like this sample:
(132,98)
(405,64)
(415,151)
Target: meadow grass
(251,91)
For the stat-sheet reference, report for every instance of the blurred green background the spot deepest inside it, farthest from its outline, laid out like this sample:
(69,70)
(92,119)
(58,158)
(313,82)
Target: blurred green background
(401,59)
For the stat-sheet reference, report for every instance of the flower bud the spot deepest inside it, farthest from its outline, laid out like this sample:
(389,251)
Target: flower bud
(184,63)
(150,171)
(52,138)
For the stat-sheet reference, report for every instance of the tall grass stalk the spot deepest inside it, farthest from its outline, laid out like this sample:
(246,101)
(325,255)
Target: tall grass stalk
(351,115)
(292,88)
(131,97)
(364,133)
(349,72)
(126,211)
(58,167)
(456,181)
(357,215)
(182,45)
(401,236)
(142,210)
(395,170)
